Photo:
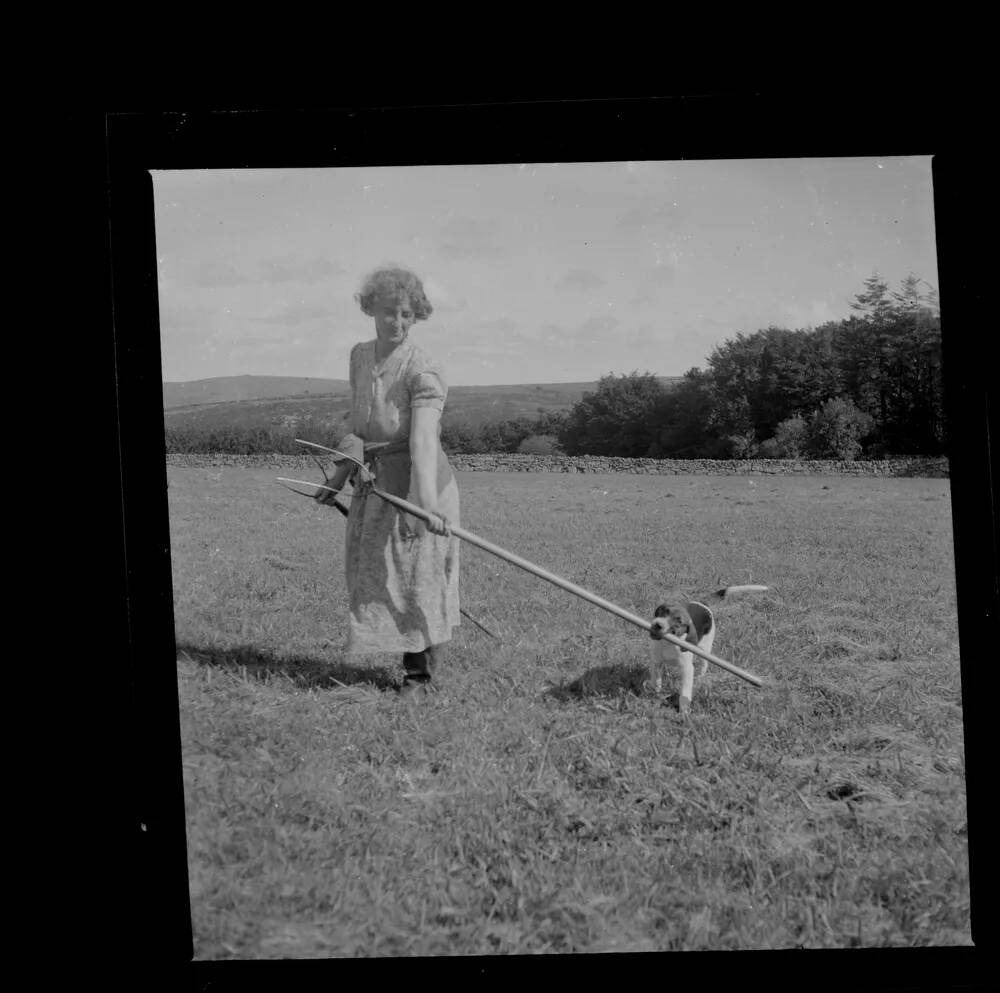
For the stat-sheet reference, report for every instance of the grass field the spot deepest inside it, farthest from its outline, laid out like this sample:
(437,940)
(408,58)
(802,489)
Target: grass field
(543,800)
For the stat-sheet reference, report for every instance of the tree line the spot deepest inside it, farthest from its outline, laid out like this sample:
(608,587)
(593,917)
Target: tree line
(870,384)
(538,435)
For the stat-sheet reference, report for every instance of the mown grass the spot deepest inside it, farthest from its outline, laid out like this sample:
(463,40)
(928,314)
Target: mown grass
(543,800)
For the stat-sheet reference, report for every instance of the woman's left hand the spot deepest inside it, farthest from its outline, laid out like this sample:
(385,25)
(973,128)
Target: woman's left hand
(439,524)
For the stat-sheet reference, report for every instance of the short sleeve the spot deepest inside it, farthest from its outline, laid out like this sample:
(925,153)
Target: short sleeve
(427,387)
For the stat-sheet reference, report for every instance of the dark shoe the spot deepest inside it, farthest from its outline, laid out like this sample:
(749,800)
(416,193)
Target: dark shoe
(420,664)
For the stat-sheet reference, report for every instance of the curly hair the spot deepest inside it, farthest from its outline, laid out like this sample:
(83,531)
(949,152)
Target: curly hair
(393,282)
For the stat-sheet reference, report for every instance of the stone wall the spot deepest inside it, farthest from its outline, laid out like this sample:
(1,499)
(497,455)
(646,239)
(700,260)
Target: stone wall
(925,467)
(706,467)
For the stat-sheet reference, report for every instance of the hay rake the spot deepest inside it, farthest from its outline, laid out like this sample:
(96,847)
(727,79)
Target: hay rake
(521,563)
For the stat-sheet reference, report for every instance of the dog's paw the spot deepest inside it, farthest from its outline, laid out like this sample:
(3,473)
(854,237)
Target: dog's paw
(684,705)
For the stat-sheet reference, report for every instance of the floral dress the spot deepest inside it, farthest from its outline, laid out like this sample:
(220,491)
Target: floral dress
(402,579)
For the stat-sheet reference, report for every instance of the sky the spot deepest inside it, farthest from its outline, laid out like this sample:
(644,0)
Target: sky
(537,272)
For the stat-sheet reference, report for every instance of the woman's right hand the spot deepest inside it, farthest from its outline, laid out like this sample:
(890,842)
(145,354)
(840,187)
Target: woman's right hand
(334,484)
(326,496)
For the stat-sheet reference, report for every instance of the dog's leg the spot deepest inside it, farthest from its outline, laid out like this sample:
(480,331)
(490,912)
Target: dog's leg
(655,667)
(705,643)
(686,664)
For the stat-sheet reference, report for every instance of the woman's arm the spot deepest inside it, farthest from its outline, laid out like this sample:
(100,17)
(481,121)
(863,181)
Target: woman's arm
(423,461)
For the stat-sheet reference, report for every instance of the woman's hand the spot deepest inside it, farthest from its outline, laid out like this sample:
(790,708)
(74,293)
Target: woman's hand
(334,484)
(438,524)
(326,496)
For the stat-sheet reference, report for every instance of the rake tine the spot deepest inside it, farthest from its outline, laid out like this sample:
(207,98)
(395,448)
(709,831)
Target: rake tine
(304,482)
(322,468)
(482,627)
(294,490)
(332,451)
(366,472)
(284,482)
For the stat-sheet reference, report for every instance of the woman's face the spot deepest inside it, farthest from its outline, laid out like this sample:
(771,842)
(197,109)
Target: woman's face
(393,318)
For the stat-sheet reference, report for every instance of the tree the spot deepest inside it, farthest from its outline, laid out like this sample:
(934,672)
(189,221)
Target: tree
(459,439)
(762,379)
(836,428)
(742,446)
(616,419)
(917,423)
(681,422)
(789,441)
(875,305)
(505,435)
(736,368)
(540,444)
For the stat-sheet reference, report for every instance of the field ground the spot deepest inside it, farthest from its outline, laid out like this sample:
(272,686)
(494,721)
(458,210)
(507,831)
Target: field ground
(544,800)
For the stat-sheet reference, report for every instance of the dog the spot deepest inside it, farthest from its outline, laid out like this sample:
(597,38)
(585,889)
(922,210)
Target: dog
(691,621)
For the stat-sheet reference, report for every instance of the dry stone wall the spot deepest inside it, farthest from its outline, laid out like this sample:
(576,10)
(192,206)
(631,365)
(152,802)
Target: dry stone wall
(924,467)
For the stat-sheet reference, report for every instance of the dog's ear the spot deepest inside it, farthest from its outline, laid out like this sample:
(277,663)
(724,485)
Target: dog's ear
(662,611)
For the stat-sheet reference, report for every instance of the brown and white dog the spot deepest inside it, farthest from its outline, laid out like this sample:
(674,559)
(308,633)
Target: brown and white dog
(692,621)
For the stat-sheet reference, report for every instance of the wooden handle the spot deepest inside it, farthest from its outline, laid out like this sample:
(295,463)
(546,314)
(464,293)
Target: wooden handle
(502,553)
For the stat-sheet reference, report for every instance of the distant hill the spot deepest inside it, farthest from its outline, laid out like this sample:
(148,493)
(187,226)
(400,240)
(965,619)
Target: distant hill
(270,401)
(229,389)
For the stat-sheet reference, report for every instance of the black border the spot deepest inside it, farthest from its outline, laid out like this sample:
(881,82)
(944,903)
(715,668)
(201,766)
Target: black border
(442,131)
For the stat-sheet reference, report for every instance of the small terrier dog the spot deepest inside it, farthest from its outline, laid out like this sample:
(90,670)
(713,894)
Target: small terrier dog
(691,621)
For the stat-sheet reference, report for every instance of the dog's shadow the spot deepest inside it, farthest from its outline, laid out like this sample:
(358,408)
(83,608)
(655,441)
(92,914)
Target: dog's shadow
(305,672)
(608,681)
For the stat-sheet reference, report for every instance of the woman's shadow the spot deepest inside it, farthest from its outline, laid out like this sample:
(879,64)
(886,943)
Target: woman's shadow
(305,672)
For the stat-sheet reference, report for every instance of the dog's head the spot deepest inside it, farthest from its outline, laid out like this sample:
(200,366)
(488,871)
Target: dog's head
(674,620)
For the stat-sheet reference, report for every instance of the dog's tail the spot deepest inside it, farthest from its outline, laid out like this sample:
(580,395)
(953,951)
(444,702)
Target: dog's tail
(728,591)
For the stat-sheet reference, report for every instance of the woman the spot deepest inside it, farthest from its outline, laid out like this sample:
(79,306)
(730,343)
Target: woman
(402,574)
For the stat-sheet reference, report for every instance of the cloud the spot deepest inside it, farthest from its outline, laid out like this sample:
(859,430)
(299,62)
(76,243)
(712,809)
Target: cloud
(493,350)
(657,217)
(596,326)
(811,314)
(181,325)
(644,338)
(213,272)
(502,336)
(443,299)
(176,315)
(662,274)
(583,278)
(284,270)
(468,237)
(652,280)
(558,337)
(299,313)
(250,342)
(500,325)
